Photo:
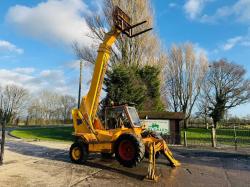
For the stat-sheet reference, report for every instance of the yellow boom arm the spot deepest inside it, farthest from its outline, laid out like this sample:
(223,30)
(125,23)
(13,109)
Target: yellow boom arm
(89,103)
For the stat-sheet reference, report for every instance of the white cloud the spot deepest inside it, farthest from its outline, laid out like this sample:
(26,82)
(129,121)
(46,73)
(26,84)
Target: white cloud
(194,8)
(235,41)
(28,70)
(12,77)
(87,71)
(242,10)
(73,65)
(36,81)
(9,48)
(58,80)
(200,50)
(239,11)
(50,74)
(58,21)
(230,43)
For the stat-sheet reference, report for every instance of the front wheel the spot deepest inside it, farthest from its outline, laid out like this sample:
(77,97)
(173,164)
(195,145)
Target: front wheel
(78,153)
(129,150)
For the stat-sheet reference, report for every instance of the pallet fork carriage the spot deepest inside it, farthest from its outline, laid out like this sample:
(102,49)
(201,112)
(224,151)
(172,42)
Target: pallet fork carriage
(122,133)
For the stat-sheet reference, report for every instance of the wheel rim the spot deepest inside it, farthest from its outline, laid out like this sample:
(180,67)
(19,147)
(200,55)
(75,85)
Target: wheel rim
(76,153)
(126,150)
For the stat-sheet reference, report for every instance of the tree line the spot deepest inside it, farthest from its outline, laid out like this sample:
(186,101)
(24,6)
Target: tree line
(17,104)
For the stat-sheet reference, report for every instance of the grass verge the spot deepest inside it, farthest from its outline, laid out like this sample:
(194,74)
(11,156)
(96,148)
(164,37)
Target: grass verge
(196,136)
(201,136)
(50,134)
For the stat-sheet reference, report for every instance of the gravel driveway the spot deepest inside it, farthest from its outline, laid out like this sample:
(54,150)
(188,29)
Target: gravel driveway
(47,164)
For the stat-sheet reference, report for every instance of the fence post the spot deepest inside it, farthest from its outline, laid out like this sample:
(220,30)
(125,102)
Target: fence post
(213,136)
(2,142)
(235,139)
(185,137)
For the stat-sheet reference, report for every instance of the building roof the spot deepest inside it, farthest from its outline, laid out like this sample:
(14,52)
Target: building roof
(161,115)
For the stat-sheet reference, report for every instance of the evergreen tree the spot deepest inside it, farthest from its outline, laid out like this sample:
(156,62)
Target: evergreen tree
(129,84)
(124,86)
(150,77)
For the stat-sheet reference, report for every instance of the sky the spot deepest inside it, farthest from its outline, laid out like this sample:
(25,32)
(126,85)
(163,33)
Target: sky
(36,38)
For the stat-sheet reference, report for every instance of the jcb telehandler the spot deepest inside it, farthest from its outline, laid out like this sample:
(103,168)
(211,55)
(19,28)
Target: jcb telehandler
(122,133)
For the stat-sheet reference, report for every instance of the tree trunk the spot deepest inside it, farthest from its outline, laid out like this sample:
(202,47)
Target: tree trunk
(2,142)
(213,135)
(185,123)
(16,121)
(207,126)
(27,121)
(185,132)
(206,123)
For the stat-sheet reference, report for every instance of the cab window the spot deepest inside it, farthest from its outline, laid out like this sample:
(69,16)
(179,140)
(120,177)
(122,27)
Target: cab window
(116,118)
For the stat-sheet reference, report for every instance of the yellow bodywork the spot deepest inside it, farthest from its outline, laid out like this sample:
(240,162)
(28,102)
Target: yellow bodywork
(87,125)
(83,118)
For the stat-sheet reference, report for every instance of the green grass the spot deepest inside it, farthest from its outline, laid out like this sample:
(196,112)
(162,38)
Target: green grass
(197,136)
(51,134)
(224,136)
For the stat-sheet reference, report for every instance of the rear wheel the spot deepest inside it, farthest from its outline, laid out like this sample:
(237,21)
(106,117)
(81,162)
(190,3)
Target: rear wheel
(129,150)
(78,153)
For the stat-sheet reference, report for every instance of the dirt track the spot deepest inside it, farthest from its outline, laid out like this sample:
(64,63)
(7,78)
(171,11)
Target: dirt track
(47,164)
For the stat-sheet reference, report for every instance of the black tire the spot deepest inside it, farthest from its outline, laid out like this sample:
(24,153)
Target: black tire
(107,155)
(82,151)
(129,150)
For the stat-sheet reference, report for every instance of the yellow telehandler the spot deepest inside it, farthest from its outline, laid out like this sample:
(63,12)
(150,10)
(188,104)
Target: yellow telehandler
(122,133)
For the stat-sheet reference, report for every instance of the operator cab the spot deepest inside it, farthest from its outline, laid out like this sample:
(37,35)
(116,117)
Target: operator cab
(121,117)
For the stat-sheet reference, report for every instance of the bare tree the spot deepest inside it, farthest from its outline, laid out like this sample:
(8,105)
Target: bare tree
(68,102)
(143,49)
(4,115)
(45,107)
(12,101)
(202,105)
(184,75)
(227,87)
(49,106)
